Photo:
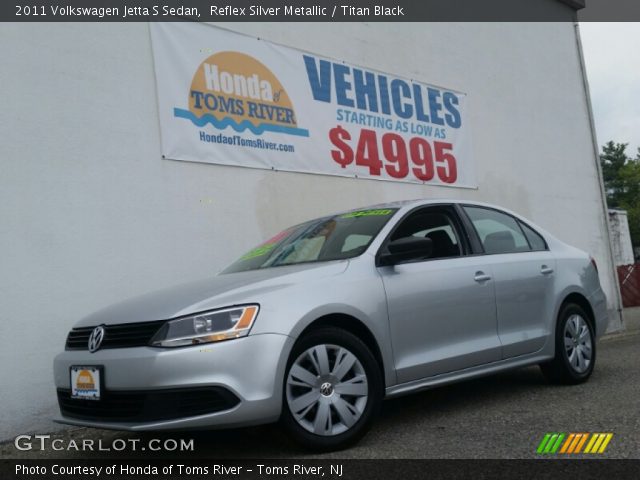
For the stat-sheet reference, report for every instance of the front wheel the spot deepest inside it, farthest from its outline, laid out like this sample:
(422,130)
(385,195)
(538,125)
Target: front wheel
(332,391)
(575,348)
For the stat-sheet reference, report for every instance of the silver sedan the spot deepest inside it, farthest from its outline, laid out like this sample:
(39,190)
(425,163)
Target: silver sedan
(320,323)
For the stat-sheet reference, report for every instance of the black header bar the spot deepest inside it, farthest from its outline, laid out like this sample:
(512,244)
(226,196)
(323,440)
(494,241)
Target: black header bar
(319,10)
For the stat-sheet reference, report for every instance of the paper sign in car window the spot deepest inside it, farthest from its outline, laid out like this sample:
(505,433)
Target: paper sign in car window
(266,246)
(367,213)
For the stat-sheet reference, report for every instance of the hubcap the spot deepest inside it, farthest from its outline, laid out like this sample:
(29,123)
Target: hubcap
(577,343)
(327,390)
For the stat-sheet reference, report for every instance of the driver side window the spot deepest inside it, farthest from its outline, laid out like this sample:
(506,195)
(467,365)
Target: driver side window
(436,224)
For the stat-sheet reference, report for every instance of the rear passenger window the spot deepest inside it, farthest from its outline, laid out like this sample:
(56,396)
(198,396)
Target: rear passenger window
(498,232)
(535,239)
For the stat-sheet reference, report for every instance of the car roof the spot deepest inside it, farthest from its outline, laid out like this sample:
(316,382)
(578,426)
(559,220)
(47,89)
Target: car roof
(425,201)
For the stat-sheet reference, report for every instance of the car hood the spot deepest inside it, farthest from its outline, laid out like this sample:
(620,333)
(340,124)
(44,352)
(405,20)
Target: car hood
(220,291)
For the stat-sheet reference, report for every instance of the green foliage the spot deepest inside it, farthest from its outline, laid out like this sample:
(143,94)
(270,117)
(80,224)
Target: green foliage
(621,175)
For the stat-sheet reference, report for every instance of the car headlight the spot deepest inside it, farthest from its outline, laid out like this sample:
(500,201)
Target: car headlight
(206,327)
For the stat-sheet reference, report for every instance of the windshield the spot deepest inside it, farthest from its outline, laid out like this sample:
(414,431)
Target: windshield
(329,238)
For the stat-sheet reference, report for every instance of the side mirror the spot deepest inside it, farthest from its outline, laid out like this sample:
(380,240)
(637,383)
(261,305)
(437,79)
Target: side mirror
(405,249)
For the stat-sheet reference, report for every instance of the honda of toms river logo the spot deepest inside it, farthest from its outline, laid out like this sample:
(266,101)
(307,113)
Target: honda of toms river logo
(85,382)
(232,89)
(568,443)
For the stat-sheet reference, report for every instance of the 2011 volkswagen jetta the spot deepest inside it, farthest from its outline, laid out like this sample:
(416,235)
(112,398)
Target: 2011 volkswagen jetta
(321,322)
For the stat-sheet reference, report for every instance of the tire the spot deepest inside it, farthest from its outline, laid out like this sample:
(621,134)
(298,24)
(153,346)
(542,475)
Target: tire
(316,411)
(575,348)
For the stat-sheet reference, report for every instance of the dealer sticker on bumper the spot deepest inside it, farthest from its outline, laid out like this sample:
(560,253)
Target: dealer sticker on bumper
(85,383)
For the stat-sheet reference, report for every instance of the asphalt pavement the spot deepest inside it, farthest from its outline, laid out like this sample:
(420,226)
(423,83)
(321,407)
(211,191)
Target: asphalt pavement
(502,416)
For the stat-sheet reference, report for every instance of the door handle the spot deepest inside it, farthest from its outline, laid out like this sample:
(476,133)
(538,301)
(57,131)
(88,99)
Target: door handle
(480,277)
(546,270)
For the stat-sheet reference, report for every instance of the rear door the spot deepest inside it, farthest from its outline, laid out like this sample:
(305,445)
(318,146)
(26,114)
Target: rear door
(441,309)
(524,276)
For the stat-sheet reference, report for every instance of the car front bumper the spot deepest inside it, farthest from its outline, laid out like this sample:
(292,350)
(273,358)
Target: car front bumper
(251,368)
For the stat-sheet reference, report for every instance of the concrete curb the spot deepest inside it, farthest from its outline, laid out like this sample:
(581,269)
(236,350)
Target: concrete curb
(631,324)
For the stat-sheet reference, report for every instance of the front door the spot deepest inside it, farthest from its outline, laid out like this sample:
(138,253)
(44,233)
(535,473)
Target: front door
(442,310)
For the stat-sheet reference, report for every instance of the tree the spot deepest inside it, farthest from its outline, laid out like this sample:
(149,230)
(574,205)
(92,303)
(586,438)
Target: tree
(621,175)
(630,199)
(612,159)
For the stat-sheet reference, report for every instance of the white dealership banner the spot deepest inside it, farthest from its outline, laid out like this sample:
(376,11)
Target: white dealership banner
(232,99)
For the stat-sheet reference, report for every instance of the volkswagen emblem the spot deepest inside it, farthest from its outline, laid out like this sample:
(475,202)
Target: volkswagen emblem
(95,339)
(326,389)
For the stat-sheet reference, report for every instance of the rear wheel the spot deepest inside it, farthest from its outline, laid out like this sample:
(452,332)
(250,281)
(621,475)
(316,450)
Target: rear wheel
(575,348)
(332,390)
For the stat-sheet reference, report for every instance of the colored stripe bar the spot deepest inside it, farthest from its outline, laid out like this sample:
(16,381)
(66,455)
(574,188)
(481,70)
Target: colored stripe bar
(581,443)
(593,439)
(606,441)
(567,442)
(596,445)
(555,447)
(543,443)
(573,445)
(550,443)
(599,442)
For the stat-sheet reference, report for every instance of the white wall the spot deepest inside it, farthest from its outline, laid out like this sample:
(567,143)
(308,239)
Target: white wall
(90,213)
(620,237)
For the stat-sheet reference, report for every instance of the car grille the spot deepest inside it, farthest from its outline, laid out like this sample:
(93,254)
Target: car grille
(115,336)
(142,406)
